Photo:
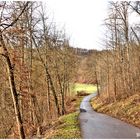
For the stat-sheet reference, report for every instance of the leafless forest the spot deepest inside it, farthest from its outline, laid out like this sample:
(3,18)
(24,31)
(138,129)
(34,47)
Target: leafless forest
(117,67)
(37,65)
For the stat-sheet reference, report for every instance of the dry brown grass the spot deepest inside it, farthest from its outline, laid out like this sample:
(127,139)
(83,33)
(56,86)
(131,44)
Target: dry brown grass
(127,109)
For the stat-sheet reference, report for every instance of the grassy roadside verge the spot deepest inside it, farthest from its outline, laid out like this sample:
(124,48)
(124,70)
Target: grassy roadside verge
(67,127)
(127,110)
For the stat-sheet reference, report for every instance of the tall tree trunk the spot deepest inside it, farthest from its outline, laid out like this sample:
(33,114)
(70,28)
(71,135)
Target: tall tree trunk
(97,83)
(49,78)
(13,89)
(53,91)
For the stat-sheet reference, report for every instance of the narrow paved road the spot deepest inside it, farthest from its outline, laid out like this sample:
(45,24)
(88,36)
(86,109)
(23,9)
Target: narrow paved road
(96,125)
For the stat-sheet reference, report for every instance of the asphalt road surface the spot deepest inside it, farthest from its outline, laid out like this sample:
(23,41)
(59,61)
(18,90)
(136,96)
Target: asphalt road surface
(99,126)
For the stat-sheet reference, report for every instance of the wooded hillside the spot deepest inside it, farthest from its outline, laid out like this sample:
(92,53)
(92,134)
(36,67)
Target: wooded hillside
(37,66)
(118,66)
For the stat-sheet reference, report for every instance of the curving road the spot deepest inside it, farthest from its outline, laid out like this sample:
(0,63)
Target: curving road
(96,125)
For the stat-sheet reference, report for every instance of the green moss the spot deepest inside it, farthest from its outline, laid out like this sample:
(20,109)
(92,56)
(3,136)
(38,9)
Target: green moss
(68,127)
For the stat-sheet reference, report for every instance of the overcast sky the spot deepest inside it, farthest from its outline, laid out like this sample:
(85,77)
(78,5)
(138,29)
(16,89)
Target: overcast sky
(82,20)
